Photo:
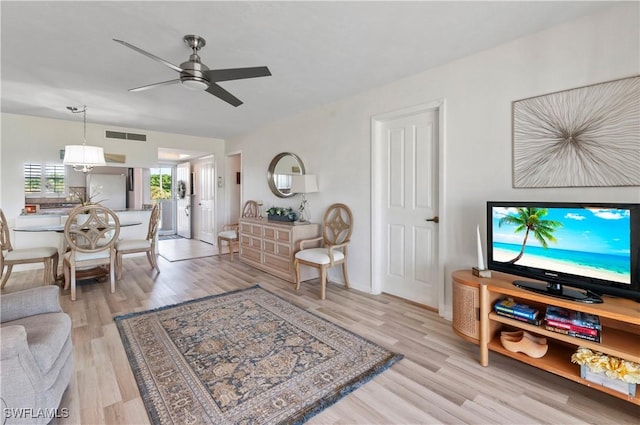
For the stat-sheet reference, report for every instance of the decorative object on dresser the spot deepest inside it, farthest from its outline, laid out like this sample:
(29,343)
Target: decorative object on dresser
(90,232)
(37,354)
(282,214)
(270,245)
(303,184)
(337,226)
(230,231)
(9,257)
(147,245)
(245,357)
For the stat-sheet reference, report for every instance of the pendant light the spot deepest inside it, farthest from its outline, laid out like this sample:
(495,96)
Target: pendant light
(83,157)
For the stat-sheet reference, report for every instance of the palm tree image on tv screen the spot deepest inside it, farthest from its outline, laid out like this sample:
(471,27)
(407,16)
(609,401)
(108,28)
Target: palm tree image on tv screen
(579,241)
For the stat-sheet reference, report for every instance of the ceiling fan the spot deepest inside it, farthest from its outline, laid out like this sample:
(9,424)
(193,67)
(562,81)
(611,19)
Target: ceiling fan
(196,75)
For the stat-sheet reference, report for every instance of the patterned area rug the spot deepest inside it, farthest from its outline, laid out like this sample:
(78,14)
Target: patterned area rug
(244,357)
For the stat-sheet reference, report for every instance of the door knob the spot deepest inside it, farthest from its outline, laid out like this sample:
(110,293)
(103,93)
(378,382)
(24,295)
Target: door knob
(435,219)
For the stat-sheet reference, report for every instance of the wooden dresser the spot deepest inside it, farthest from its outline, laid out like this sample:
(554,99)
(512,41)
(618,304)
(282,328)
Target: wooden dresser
(271,245)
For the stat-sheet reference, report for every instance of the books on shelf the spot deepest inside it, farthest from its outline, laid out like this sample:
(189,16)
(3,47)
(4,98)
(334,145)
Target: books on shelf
(573,323)
(593,338)
(510,308)
(536,322)
(577,318)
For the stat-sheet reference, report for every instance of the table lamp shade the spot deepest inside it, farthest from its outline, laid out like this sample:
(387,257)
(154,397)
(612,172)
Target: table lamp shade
(304,183)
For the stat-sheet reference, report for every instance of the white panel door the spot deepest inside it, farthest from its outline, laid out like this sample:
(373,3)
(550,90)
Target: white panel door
(409,231)
(183,204)
(204,201)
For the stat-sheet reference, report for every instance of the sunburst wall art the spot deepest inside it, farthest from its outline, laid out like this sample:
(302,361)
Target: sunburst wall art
(588,136)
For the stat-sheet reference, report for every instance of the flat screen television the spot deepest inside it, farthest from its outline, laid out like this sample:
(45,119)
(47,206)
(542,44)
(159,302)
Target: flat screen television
(579,250)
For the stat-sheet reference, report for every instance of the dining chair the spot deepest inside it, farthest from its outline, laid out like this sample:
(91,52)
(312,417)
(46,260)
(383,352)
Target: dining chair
(90,232)
(229,232)
(48,255)
(147,245)
(337,226)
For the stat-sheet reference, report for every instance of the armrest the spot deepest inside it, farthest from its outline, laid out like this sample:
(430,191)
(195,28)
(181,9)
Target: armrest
(309,241)
(43,299)
(14,341)
(17,359)
(337,246)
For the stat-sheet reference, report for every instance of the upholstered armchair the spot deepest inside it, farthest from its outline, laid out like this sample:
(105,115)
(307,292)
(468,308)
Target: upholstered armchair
(337,226)
(36,361)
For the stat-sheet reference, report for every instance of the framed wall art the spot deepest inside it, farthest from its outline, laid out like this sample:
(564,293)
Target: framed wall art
(583,137)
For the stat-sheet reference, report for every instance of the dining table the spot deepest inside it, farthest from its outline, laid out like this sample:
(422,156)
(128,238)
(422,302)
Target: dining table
(98,272)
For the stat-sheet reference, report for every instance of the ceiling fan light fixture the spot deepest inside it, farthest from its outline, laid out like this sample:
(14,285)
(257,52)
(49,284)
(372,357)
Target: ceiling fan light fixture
(196,76)
(193,84)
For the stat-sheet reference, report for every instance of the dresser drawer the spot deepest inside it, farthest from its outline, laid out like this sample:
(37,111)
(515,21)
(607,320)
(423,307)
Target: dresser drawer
(280,235)
(270,246)
(256,230)
(250,254)
(274,248)
(245,227)
(250,241)
(278,263)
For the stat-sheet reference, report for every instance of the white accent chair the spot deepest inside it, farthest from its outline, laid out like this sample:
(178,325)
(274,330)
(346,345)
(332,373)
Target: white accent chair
(90,232)
(148,245)
(337,226)
(229,232)
(36,354)
(10,257)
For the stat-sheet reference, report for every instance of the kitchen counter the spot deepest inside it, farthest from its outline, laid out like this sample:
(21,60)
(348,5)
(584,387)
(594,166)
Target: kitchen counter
(66,211)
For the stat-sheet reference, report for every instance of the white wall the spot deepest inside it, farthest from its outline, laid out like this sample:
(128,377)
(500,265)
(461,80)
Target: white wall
(334,140)
(26,138)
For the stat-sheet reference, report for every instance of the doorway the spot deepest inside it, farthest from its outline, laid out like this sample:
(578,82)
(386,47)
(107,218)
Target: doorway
(234,186)
(161,191)
(204,196)
(406,238)
(183,201)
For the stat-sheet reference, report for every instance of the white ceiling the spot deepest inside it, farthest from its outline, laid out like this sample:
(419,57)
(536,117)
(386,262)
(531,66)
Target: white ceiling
(56,54)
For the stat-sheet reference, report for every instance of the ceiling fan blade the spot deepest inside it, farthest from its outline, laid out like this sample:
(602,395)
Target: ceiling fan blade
(237,73)
(154,85)
(221,93)
(149,55)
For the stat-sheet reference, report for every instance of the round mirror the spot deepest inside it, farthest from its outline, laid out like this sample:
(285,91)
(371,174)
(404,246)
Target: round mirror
(281,168)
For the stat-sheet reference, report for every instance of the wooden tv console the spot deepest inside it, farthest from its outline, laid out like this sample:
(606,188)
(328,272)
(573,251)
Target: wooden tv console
(620,320)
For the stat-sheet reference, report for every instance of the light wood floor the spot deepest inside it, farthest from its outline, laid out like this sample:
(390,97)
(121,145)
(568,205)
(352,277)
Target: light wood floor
(438,381)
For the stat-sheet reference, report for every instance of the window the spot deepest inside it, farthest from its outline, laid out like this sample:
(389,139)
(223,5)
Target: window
(161,180)
(44,178)
(32,178)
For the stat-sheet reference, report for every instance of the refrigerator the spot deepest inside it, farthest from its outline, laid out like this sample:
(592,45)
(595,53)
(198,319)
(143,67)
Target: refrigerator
(108,189)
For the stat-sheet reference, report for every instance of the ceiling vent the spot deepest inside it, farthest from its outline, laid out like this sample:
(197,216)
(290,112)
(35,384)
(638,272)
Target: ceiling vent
(119,135)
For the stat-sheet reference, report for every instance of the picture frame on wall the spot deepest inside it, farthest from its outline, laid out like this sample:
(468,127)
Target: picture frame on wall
(582,137)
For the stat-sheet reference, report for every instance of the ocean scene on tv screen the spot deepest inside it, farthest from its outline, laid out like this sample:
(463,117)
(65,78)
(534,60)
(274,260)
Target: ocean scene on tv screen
(579,241)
